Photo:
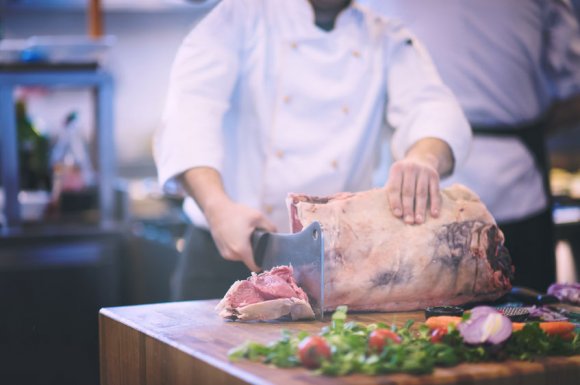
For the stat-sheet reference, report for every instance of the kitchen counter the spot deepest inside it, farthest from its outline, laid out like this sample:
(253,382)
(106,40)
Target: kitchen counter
(187,343)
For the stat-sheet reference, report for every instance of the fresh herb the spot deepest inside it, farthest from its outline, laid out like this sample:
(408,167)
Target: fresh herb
(532,342)
(409,349)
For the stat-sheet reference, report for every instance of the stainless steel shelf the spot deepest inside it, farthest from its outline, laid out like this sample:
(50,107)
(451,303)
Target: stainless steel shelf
(101,82)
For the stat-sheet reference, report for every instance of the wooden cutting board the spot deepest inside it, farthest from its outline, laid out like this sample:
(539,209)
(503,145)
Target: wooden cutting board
(187,343)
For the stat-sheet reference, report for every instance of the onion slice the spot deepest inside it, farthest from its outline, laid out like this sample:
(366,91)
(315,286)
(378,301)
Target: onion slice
(482,310)
(566,292)
(486,325)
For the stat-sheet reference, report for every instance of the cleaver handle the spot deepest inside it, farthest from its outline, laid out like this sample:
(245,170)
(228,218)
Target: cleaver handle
(259,240)
(531,296)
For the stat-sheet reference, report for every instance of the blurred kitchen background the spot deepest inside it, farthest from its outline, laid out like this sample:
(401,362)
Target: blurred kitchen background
(87,226)
(70,251)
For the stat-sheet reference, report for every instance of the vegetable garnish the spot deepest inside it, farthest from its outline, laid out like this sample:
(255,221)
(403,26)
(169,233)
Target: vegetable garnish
(378,338)
(442,321)
(312,350)
(485,325)
(345,347)
(566,292)
(438,334)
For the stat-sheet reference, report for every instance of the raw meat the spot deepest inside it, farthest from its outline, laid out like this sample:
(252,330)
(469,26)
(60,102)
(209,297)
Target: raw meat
(374,261)
(266,296)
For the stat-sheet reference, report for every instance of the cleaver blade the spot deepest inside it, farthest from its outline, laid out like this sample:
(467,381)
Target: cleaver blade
(304,251)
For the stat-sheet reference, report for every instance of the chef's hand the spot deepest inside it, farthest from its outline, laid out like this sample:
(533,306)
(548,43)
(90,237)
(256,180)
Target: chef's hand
(414,181)
(231,224)
(231,227)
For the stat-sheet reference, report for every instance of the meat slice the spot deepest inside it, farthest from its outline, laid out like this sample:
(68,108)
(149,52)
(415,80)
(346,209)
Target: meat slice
(266,296)
(374,261)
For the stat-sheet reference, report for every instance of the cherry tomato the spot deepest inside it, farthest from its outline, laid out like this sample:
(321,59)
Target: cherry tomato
(379,337)
(312,350)
(437,334)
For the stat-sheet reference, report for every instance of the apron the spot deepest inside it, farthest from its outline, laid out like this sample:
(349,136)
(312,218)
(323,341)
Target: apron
(530,240)
(533,136)
(201,272)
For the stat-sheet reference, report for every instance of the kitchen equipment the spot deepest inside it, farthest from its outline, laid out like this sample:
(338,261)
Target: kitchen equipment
(304,251)
(33,204)
(533,297)
(435,311)
(514,313)
(68,48)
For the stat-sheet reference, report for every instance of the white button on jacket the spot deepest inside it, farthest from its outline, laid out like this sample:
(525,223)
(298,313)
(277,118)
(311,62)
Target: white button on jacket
(257,78)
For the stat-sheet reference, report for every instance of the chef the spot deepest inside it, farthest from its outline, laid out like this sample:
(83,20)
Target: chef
(271,97)
(508,62)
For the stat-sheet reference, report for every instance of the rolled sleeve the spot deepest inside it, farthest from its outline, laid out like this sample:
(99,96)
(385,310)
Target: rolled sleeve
(419,104)
(201,83)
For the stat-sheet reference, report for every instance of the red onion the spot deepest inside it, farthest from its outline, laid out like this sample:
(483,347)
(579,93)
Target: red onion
(566,292)
(482,310)
(486,325)
(545,314)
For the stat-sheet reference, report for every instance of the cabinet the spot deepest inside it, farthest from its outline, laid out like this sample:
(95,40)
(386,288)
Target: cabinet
(101,82)
(51,288)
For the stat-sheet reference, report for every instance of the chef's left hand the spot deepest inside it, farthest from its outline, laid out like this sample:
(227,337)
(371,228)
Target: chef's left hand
(414,181)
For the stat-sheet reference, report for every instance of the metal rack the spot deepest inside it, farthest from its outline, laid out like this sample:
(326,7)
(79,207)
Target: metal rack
(102,85)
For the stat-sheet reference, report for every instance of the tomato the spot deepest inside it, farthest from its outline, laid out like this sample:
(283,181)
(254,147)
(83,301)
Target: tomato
(312,350)
(379,337)
(437,334)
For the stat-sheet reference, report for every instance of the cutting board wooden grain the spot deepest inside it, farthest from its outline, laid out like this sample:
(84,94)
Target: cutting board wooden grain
(187,343)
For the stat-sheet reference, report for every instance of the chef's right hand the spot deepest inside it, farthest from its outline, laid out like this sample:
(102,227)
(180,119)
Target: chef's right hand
(231,225)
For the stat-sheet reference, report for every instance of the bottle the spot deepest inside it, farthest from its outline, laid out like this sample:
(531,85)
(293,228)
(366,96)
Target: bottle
(33,152)
(73,176)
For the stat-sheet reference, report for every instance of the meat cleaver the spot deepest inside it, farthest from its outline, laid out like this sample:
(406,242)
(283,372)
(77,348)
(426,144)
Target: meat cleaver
(533,297)
(304,251)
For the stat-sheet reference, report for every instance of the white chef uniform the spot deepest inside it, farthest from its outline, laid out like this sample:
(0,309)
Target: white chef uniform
(277,105)
(507,61)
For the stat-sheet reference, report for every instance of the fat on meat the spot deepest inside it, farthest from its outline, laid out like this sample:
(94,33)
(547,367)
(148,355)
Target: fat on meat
(376,262)
(267,296)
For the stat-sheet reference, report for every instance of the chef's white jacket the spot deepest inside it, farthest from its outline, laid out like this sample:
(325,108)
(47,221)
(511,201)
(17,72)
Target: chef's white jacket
(506,61)
(277,105)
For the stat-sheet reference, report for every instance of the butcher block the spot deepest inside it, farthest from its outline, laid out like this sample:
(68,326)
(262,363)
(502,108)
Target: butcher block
(187,343)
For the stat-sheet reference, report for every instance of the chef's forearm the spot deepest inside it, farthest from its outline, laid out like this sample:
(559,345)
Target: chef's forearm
(434,151)
(205,186)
